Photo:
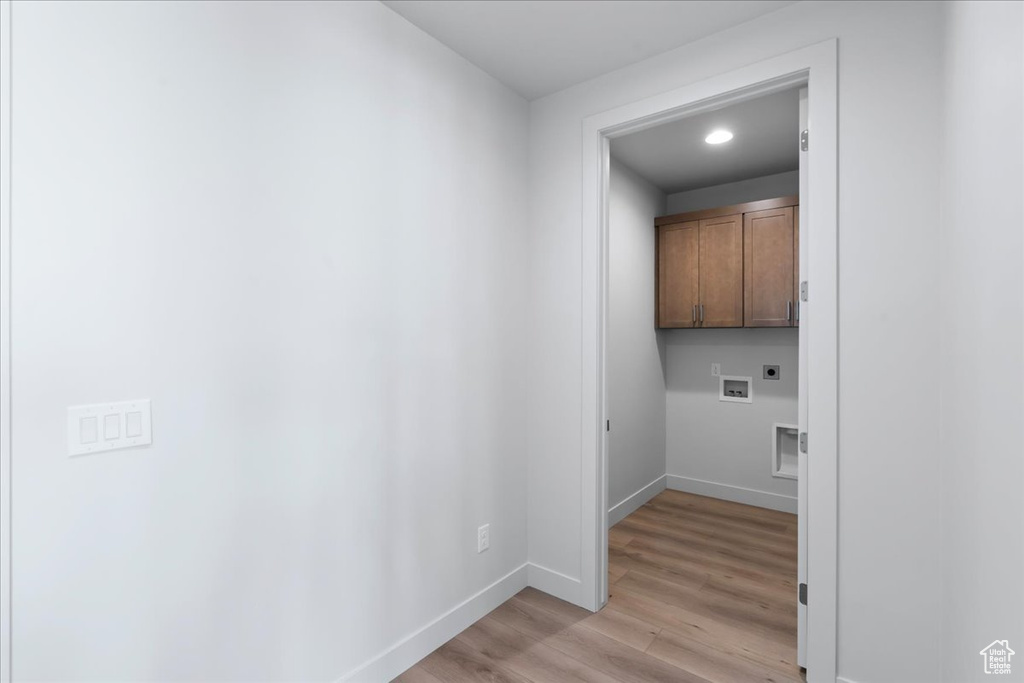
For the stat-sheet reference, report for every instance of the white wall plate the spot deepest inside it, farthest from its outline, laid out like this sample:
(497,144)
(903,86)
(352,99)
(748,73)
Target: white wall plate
(109,426)
(730,386)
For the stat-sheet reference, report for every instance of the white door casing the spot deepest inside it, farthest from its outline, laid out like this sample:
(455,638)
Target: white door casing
(801,564)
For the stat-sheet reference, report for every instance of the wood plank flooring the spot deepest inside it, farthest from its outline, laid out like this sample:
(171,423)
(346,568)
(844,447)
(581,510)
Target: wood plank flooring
(701,591)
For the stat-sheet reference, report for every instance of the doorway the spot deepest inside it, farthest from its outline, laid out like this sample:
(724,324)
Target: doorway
(815,68)
(703,378)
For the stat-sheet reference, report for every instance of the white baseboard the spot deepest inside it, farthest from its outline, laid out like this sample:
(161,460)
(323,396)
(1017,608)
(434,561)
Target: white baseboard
(737,494)
(840,679)
(414,647)
(619,512)
(554,583)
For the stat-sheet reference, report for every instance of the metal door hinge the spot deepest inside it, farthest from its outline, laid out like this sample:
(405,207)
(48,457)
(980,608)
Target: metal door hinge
(803,140)
(803,593)
(803,291)
(803,442)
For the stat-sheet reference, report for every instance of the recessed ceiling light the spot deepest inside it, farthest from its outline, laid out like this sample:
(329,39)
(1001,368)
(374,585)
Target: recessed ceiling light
(717,137)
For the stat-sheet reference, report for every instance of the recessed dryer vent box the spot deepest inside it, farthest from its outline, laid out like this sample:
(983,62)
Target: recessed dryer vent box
(735,389)
(784,450)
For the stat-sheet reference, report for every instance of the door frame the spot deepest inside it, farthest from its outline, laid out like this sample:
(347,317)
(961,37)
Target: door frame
(6,107)
(816,67)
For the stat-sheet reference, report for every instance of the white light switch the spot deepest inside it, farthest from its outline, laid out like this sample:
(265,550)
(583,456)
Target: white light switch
(87,430)
(133,424)
(84,426)
(111,427)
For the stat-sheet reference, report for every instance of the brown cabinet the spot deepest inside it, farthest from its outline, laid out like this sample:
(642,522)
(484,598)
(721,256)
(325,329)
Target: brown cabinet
(769,268)
(700,273)
(736,266)
(677,275)
(721,272)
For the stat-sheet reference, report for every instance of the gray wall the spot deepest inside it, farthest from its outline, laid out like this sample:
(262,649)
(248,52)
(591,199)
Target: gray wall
(722,443)
(765,187)
(980,434)
(717,447)
(636,383)
(664,407)
(336,370)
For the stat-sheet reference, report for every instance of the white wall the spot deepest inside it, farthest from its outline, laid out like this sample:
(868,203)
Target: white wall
(722,448)
(889,92)
(750,190)
(636,380)
(662,400)
(722,443)
(298,229)
(982,237)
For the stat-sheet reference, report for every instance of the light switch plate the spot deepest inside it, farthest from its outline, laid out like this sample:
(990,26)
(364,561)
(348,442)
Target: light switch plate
(108,426)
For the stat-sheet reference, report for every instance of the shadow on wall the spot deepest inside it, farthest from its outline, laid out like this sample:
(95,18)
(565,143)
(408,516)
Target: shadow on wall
(687,355)
(725,443)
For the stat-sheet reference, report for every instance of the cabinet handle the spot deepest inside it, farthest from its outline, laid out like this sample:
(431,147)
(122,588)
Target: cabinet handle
(789,310)
(693,312)
(798,310)
(702,313)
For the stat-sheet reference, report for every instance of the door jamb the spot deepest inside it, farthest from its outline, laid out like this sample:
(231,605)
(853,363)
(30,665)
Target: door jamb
(6,563)
(816,66)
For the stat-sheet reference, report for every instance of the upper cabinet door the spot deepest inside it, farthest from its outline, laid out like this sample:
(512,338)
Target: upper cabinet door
(770,246)
(676,289)
(721,272)
(796,266)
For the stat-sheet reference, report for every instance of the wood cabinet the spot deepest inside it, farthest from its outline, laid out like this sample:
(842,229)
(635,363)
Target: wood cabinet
(735,266)
(721,272)
(769,268)
(700,273)
(677,274)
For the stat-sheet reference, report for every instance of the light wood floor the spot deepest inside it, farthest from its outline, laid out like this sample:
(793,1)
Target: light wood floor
(702,590)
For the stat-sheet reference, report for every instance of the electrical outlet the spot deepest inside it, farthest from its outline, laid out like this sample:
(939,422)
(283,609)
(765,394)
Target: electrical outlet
(483,538)
(716,369)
